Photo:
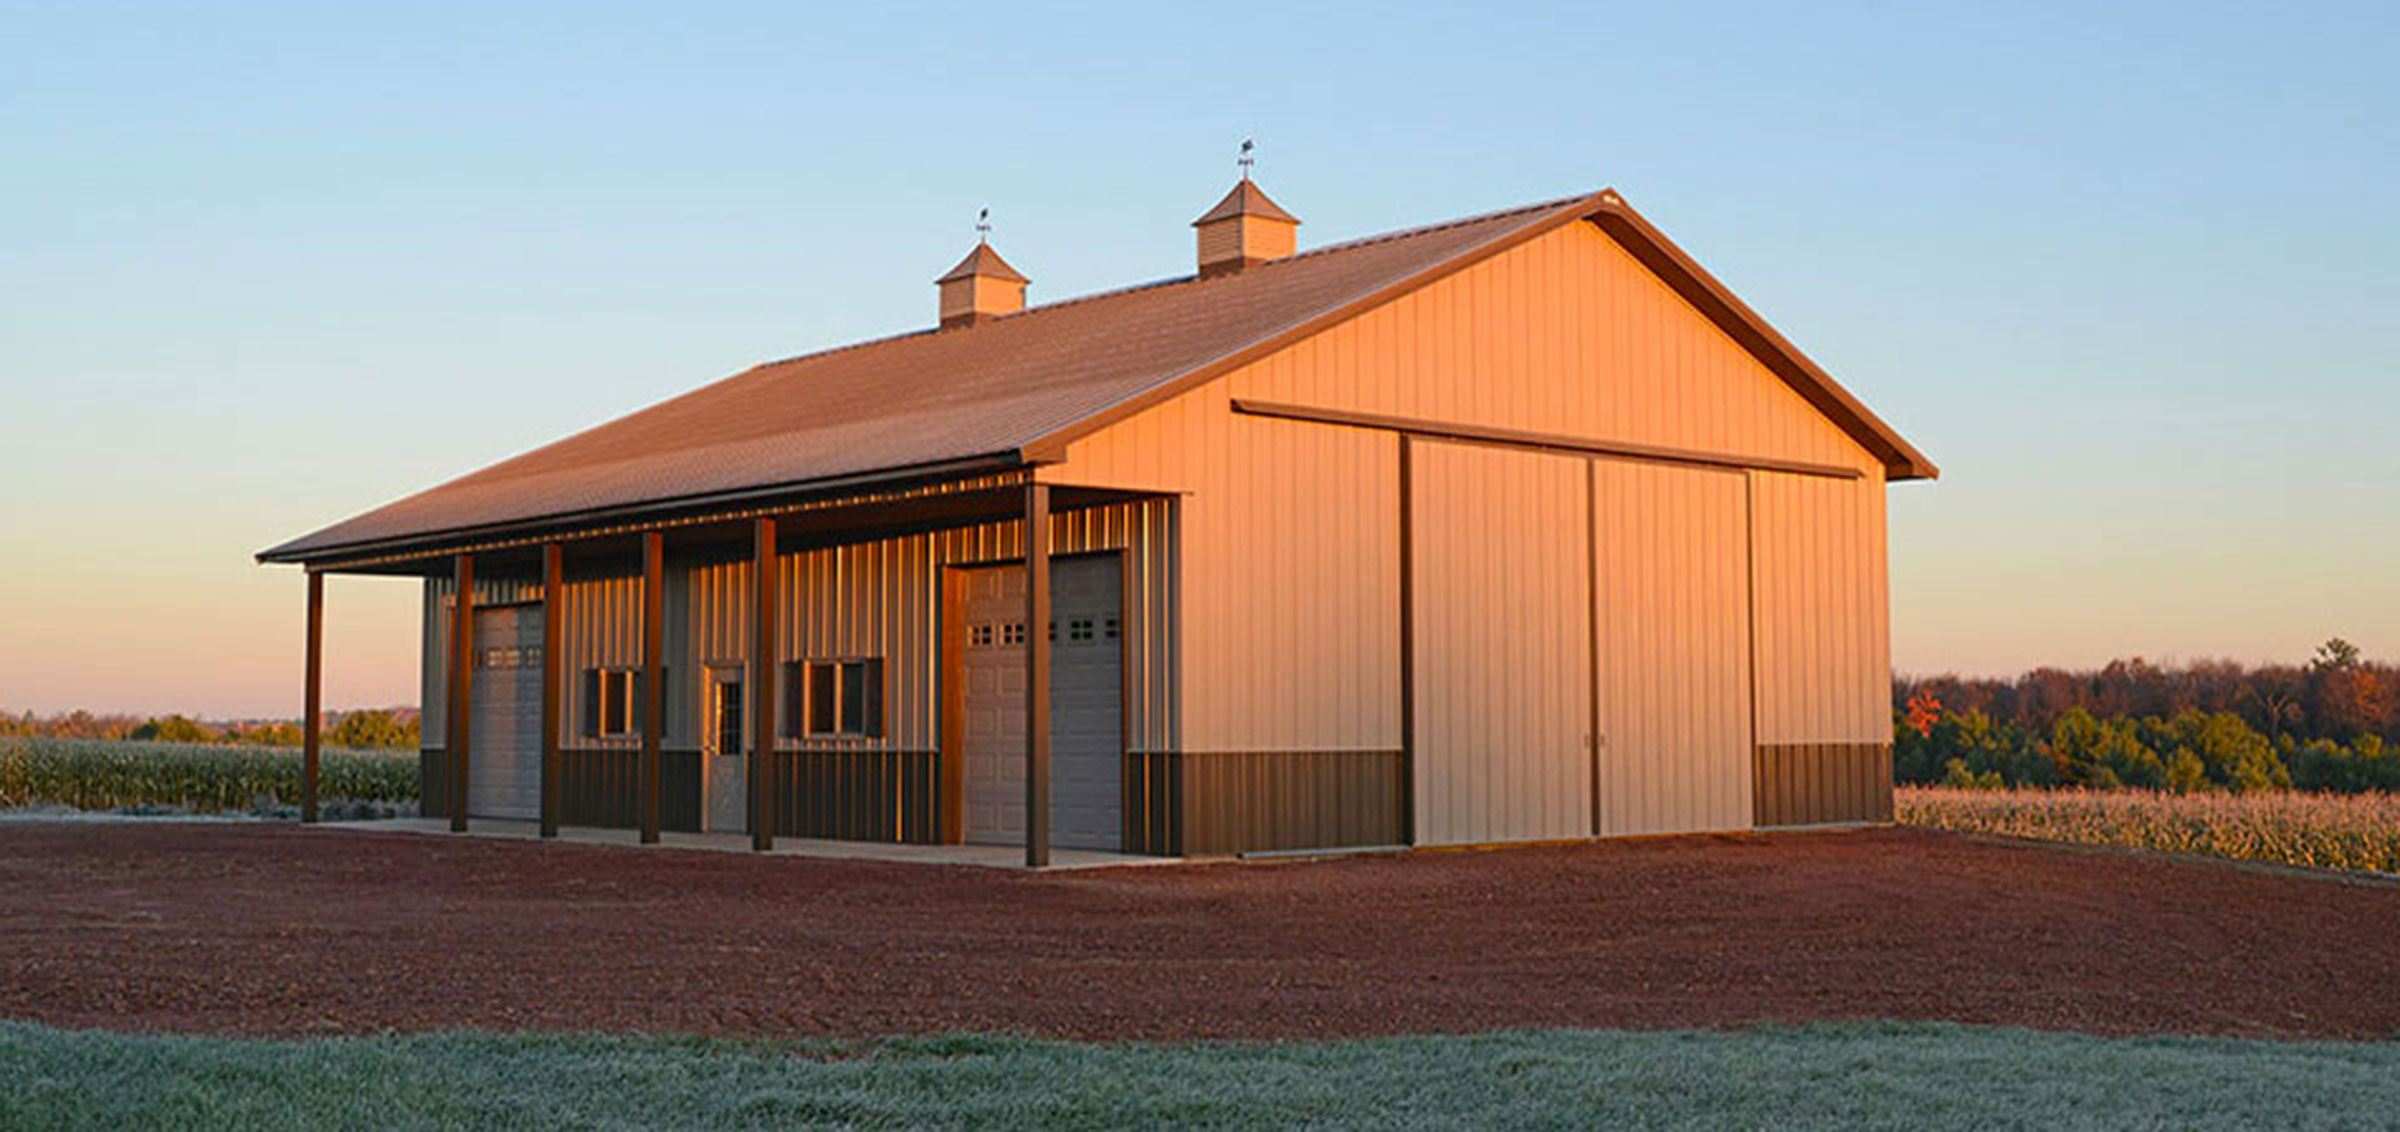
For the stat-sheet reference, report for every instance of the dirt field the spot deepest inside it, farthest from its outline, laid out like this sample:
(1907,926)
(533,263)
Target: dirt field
(276,929)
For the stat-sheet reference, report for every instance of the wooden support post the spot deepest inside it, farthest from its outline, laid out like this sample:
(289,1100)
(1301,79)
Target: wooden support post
(654,653)
(554,588)
(461,709)
(312,702)
(1408,642)
(761,693)
(1037,675)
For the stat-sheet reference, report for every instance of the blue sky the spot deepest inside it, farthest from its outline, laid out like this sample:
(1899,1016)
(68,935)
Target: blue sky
(2128,272)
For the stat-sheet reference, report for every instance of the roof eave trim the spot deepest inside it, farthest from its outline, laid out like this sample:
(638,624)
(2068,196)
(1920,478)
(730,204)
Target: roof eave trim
(563,524)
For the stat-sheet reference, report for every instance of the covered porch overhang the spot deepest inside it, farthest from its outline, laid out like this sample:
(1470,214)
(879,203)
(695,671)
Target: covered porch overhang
(542,553)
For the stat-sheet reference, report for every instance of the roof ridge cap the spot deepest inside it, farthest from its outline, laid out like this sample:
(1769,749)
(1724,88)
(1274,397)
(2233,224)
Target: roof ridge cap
(1174,280)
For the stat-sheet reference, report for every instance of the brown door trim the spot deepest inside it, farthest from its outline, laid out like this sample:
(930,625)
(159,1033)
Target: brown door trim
(954,705)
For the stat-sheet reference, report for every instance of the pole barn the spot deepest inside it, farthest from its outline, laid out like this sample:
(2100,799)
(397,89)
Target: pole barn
(1518,527)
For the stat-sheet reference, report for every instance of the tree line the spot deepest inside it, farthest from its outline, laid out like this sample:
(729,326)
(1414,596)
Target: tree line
(364,729)
(2331,724)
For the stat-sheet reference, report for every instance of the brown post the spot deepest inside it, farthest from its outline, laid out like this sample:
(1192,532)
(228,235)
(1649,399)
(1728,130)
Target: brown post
(461,709)
(1408,643)
(312,703)
(1037,675)
(761,692)
(554,569)
(654,652)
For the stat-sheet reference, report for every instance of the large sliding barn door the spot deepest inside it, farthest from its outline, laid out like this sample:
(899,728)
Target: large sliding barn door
(1672,554)
(1499,575)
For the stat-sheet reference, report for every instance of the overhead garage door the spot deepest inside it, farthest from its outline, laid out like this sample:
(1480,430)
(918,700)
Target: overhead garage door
(1502,629)
(1086,704)
(505,749)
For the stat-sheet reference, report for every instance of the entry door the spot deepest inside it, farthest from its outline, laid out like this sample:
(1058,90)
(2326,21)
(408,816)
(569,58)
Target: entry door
(1086,703)
(1500,577)
(723,739)
(504,753)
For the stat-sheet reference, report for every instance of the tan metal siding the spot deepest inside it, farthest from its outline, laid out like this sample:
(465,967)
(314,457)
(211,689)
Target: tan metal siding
(603,630)
(1823,608)
(1670,551)
(1290,624)
(1291,637)
(1502,642)
(1565,334)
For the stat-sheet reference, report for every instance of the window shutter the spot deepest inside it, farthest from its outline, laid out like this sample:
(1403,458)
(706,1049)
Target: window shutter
(871,720)
(795,695)
(591,703)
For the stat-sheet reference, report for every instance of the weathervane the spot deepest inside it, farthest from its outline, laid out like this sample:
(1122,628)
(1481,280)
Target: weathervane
(983,226)
(1246,160)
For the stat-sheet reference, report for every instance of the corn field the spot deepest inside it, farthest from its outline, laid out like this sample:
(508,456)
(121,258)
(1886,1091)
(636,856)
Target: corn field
(2334,831)
(91,774)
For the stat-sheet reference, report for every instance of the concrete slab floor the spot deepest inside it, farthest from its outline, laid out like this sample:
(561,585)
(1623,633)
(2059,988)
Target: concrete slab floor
(980,856)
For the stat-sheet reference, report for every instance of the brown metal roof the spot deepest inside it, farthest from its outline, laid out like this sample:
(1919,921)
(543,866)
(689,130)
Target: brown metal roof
(1245,199)
(1009,388)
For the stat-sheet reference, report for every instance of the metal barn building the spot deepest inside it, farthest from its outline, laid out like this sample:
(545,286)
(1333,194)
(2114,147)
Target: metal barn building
(1516,527)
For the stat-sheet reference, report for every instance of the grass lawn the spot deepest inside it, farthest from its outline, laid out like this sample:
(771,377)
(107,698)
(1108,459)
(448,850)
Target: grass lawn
(1847,1076)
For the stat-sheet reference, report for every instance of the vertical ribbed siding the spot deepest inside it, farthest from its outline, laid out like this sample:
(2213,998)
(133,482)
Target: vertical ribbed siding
(1824,651)
(1815,783)
(1503,681)
(1824,665)
(1565,334)
(1670,546)
(1262,801)
(1290,636)
(882,599)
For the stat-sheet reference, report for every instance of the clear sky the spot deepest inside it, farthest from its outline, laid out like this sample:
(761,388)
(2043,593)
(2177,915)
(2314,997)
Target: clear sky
(2129,273)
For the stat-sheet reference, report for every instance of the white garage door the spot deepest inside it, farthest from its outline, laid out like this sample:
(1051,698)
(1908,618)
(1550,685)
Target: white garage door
(1086,704)
(504,752)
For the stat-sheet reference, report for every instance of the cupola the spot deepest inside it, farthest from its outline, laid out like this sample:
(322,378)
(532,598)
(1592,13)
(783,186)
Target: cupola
(1243,230)
(982,286)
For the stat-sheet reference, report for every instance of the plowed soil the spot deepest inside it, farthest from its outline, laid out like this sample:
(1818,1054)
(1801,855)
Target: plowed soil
(276,929)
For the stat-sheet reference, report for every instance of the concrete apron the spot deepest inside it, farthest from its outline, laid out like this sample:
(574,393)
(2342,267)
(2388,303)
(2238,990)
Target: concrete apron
(980,856)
